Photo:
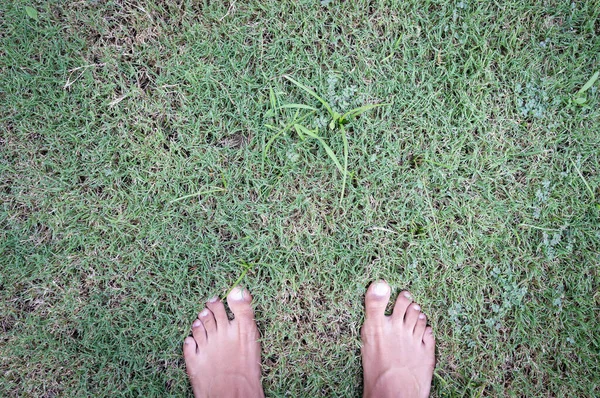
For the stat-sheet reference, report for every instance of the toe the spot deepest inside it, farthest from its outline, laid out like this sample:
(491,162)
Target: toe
(402,302)
(420,326)
(429,342)
(239,300)
(218,309)
(411,317)
(189,348)
(208,321)
(376,300)
(199,333)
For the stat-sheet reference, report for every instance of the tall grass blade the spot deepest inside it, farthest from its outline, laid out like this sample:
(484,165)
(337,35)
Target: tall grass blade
(313,94)
(323,144)
(345,172)
(357,111)
(272,112)
(272,98)
(284,130)
(589,83)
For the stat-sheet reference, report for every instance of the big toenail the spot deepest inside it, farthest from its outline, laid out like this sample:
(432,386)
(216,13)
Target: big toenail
(196,323)
(204,312)
(237,294)
(417,307)
(213,299)
(408,295)
(381,289)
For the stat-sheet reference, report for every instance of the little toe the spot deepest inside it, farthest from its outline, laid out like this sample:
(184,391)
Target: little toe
(189,348)
(420,327)
(208,321)
(376,300)
(411,317)
(428,338)
(218,309)
(239,300)
(402,302)
(199,333)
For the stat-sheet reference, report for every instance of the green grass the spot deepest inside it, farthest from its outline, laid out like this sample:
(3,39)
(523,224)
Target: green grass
(133,186)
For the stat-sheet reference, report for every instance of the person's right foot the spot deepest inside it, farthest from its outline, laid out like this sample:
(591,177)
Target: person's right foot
(222,357)
(398,351)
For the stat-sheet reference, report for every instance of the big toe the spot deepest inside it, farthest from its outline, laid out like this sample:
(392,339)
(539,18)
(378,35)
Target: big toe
(376,300)
(239,300)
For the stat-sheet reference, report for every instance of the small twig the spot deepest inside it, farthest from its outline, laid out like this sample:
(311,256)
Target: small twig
(231,8)
(84,67)
(583,179)
(382,229)
(116,101)
(198,193)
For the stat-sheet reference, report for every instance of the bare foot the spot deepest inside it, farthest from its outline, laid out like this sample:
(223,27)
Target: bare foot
(398,351)
(223,357)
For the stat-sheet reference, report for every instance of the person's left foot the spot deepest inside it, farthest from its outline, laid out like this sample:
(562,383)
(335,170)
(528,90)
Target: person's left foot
(223,357)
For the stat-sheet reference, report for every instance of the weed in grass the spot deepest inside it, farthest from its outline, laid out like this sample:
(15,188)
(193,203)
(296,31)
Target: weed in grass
(533,100)
(336,122)
(579,98)
(551,242)
(511,297)
(541,197)
(31,13)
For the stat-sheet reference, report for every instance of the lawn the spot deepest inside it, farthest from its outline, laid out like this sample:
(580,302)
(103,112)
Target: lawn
(136,181)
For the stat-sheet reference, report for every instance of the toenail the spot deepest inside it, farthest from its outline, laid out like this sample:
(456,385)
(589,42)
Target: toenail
(204,312)
(408,295)
(196,323)
(421,316)
(381,288)
(213,299)
(237,294)
(417,307)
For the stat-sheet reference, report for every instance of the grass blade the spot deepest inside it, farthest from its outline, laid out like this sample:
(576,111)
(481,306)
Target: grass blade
(324,144)
(246,267)
(345,172)
(589,83)
(31,12)
(272,98)
(276,135)
(272,112)
(584,181)
(297,106)
(299,131)
(285,129)
(313,94)
(357,111)
(198,194)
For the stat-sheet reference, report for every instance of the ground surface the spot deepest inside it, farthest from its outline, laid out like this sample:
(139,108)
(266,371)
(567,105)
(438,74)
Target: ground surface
(477,189)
